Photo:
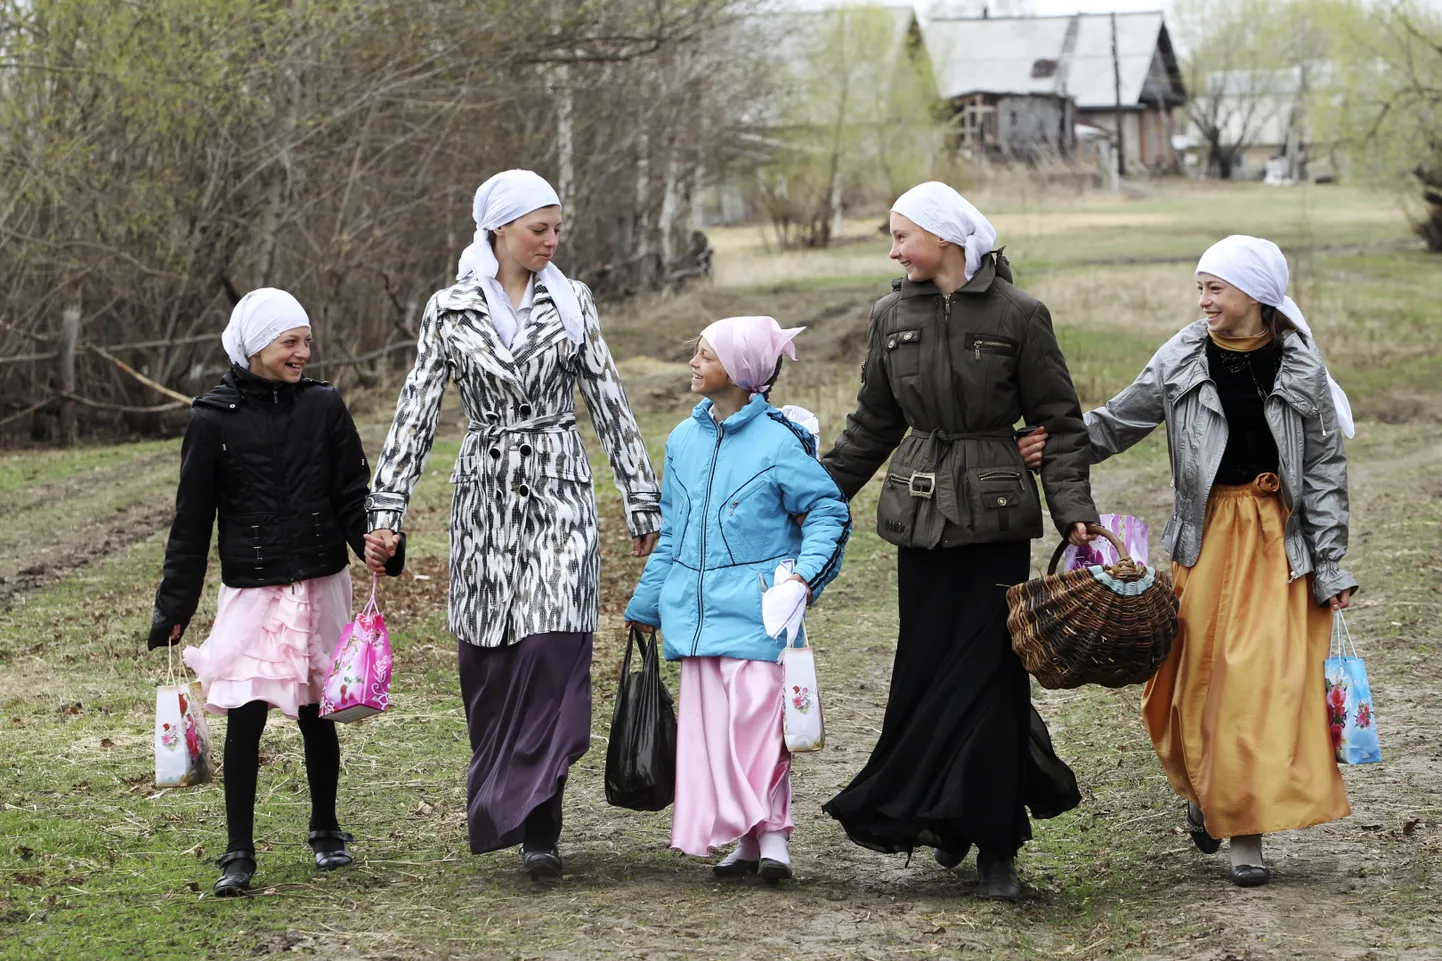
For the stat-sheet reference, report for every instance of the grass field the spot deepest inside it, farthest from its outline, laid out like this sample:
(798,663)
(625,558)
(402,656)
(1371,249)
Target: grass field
(96,863)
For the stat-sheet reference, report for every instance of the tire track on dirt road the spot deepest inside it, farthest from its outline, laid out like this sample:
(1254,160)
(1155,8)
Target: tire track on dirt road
(57,527)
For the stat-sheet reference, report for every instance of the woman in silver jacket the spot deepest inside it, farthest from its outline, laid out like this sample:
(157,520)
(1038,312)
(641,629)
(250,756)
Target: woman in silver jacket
(518,338)
(1257,537)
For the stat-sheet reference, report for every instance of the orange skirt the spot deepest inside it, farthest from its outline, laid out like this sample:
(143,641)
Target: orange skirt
(1236,713)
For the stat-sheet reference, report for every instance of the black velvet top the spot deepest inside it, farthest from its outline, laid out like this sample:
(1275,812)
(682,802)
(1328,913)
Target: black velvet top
(1243,381)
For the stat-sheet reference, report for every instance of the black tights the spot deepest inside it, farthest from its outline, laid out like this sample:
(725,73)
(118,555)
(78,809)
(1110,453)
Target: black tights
(242,768)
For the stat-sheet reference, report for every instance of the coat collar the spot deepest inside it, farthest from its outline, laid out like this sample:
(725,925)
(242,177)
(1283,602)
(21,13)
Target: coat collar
(755,408)
(240,384)
(540,331)
(1300,375)
(980,282)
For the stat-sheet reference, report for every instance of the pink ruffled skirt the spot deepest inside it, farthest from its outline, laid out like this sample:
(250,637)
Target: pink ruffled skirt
(733,772)
(272,644)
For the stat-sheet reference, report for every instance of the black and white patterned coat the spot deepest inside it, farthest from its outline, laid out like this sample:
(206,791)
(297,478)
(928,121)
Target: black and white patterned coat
(524,539)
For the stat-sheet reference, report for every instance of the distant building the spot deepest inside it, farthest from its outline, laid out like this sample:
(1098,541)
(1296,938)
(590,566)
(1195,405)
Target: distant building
(1020,85)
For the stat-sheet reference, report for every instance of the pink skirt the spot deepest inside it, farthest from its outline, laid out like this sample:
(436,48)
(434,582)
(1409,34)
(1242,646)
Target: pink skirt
(272,644)
(732,767)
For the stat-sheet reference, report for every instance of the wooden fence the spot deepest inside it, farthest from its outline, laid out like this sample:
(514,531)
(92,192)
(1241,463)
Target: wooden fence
(68,344)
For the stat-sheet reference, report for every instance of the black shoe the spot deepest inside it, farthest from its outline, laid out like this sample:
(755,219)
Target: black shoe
(541,865)
(996,877)
(1250,875)
(950,859)
(773,871)
(330,848)
(236,869)
(1197,828)
(738,868)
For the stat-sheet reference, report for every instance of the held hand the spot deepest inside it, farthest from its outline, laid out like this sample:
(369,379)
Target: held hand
(380,547)
(175,631)
(798,577)
(1031,447)
(638,626)
(1342,601)
(1080,535)
(643,546)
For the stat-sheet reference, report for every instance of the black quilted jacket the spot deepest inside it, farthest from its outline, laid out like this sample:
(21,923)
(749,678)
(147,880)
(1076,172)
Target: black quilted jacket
(283,468)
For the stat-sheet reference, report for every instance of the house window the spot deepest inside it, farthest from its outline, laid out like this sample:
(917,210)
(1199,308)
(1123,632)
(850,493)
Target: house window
(1042,69)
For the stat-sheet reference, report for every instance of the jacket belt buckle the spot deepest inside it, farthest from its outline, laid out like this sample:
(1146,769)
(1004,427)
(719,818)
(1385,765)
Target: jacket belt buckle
(922,484)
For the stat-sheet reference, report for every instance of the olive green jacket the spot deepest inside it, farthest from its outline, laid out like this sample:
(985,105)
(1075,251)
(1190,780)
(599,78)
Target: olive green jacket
(944,383)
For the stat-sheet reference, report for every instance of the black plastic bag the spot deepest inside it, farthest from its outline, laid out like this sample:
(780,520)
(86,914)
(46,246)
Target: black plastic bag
(641,758)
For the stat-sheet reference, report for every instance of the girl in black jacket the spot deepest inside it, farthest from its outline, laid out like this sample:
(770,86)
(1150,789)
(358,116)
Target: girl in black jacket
(277,457)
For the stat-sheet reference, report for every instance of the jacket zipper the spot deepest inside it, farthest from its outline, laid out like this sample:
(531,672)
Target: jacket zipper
(705,520)
(978,343)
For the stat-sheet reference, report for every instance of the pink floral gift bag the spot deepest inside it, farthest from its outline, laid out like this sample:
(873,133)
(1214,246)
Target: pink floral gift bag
(359,682)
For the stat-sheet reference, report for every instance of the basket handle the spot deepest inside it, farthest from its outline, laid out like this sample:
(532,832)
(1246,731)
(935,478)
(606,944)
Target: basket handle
(1094,529)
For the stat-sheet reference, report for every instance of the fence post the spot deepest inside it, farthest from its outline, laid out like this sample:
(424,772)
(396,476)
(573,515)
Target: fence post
(69,336)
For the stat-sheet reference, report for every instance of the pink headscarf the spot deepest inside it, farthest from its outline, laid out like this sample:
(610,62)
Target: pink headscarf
(749,347)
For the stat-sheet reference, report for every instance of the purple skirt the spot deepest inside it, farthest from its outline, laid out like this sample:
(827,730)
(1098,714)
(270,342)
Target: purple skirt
(528,710)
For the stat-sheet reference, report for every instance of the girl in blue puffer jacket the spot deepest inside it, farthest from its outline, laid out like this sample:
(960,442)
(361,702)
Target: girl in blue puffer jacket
(742,491)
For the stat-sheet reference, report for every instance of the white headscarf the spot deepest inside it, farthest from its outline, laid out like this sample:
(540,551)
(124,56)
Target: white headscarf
(1258,269)
(935,207)
(261,316)
(500,200)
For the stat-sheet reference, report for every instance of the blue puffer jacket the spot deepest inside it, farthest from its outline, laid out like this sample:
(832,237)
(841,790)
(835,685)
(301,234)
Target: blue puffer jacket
(729,501)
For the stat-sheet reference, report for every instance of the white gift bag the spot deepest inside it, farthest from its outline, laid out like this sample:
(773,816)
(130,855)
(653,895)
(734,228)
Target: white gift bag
(783,611)
(805,730)
(182,739)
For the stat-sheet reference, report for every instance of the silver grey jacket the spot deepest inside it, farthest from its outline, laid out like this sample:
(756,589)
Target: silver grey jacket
(1177,388)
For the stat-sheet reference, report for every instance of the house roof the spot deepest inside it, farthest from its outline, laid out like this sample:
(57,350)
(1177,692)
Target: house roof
(998,55)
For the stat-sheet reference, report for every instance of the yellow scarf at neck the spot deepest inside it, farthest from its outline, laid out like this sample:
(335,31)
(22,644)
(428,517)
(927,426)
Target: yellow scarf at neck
(1242,345)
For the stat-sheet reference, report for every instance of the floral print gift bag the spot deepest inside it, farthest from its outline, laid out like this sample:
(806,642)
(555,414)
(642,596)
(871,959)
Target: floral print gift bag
(359,682)
(182,739)
(1349,700)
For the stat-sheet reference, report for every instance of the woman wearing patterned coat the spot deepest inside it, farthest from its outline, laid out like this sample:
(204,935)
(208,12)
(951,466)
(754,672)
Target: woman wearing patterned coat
(517,338)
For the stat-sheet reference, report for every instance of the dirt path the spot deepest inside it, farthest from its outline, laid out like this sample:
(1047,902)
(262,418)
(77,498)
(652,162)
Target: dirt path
(59,526)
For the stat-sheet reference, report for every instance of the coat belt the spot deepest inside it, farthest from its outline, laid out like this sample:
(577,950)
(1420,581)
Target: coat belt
(929,481)
(558,423)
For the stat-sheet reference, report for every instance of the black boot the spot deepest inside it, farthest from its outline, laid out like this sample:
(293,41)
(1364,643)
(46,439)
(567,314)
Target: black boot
(996,875)
(237,867)
(330,849)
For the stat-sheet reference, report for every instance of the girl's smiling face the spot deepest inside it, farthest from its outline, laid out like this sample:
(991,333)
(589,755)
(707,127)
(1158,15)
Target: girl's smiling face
(919,251)
(1229,312)
(285,357)
(531,240)
(708,377)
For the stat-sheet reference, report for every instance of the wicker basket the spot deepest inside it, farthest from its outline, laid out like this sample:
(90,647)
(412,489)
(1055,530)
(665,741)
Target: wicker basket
(1099,625)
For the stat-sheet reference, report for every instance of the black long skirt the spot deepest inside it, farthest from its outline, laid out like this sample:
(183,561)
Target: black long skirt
(528,710)
(962,752)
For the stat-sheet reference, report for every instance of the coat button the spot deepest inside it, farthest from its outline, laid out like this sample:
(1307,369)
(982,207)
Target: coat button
(525,410)
(496,453)
(891,344)
(525,450)
(523,490)
(499,495)
(1001,502)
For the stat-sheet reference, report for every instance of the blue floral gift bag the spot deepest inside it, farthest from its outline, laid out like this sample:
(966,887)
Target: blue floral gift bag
(1350,717)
